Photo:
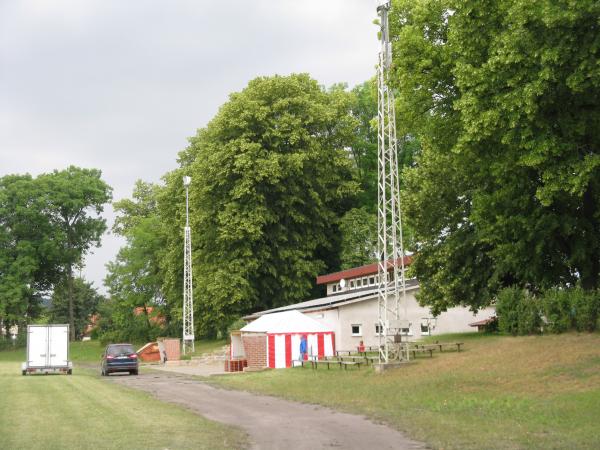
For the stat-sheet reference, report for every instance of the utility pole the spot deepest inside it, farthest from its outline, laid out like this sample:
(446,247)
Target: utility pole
(390,247)
(188,299)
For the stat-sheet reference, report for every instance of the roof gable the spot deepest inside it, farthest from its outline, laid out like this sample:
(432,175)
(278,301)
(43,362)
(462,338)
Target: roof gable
(285,322)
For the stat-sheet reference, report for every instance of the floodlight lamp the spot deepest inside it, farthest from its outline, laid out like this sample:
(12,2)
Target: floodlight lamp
(187,181)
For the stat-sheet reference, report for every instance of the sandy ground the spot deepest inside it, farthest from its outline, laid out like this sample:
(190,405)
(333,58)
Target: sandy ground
(271,423)
(205,369)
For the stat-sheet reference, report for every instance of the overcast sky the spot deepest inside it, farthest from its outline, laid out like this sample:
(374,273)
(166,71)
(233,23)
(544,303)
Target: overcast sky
(120,85)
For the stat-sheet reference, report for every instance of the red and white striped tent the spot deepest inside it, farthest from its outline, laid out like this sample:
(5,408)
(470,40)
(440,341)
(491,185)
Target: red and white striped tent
(284,332)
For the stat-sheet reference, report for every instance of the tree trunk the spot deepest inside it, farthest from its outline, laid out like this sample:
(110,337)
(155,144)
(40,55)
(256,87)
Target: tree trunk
(70,296)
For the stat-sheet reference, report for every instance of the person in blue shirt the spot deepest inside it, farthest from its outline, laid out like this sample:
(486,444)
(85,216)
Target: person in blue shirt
(303,348)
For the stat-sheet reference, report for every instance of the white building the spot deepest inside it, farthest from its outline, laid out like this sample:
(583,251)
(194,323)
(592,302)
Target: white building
(351,310)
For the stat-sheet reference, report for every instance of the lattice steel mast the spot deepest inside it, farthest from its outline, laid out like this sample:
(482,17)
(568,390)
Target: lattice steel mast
(188,300)
(389,218)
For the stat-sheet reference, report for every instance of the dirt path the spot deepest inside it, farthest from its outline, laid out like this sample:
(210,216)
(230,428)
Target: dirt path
(271,423)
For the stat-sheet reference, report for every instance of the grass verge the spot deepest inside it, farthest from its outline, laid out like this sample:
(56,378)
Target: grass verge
(83,411)
(499,393)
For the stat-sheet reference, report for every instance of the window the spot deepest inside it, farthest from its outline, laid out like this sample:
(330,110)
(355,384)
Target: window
(371,281)
(358,283)
(405,331)
(425,329)
(365,281)
(351,284)
(335,288)
(378,330)
(356,330)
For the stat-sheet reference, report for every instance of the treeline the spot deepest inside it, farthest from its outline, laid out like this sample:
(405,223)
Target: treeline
(48,224)
(280,176)
(498,107)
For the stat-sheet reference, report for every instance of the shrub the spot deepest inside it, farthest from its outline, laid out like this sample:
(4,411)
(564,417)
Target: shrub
(584,307)
(518,311)
(556,306)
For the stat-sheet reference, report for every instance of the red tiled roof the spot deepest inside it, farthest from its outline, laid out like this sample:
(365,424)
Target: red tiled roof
(356,272)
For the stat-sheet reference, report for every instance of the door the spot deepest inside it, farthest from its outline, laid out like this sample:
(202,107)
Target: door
(59,345)
(37,346)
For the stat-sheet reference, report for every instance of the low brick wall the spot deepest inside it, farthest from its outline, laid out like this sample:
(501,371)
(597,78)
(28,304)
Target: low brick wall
(255,346)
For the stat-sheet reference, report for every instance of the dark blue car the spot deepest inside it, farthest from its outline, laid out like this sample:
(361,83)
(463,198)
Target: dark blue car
(119,358)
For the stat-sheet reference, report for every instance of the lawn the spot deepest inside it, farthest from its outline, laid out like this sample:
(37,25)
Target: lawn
(499,393)
(85,411)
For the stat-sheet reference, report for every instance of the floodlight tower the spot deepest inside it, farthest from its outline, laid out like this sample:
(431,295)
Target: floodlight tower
(389,218)
(188,300)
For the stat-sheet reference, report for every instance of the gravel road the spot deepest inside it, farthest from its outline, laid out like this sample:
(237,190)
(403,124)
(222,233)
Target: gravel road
(271,423)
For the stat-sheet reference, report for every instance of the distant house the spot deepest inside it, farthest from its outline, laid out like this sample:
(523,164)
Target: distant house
(350,309)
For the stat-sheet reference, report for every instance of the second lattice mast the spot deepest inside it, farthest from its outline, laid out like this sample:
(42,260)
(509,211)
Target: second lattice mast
(188,298)
(390,249)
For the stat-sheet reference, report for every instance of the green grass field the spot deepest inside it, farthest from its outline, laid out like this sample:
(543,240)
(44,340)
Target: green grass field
(500,393)
(83,411)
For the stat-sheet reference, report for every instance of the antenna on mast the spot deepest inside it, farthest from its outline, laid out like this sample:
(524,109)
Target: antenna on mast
(390,248)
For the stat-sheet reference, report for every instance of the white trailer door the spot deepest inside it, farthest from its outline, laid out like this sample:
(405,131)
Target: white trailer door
(59,345)
(37,346)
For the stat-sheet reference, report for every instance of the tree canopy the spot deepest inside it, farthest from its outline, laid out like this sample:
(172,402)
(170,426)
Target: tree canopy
(271,178)
(48,224)
(504,99)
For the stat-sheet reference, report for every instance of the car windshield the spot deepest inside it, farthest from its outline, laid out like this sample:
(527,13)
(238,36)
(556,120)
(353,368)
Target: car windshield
(118,350)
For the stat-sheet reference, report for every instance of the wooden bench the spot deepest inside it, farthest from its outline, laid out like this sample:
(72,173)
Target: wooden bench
(441,345)
(416,350)
(345,364)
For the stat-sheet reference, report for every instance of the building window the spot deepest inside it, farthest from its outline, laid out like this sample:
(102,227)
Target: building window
(358,283)
(372,281)
(405,331)
(365,281)
(378,330)
(335,288)
(356,330)
(425,329)
(351,284)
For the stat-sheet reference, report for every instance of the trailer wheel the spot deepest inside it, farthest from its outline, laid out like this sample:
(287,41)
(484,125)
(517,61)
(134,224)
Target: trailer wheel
(23,372)
(70,372)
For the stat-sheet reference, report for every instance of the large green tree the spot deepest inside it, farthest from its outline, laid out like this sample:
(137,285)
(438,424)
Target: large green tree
(73,200)
(504,97)
(135,278)
(271,178)
(30,259)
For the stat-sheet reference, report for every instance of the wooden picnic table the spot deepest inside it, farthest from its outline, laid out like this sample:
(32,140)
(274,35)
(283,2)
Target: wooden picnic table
(314,363)
(441,345)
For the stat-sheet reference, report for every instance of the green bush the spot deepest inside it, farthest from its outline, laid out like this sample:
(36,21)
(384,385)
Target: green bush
(507,309)
(585,309)
(556,306)
(518,312)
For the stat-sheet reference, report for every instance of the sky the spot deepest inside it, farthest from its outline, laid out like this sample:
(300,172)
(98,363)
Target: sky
(120,85)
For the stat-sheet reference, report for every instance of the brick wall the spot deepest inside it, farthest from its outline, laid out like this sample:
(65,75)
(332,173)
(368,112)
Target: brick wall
(255,346)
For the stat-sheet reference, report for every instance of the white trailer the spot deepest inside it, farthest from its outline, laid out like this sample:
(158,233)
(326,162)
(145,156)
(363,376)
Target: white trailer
(47,350)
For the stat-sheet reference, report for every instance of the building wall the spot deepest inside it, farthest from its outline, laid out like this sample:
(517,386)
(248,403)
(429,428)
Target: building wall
(255,348)
(365,314)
